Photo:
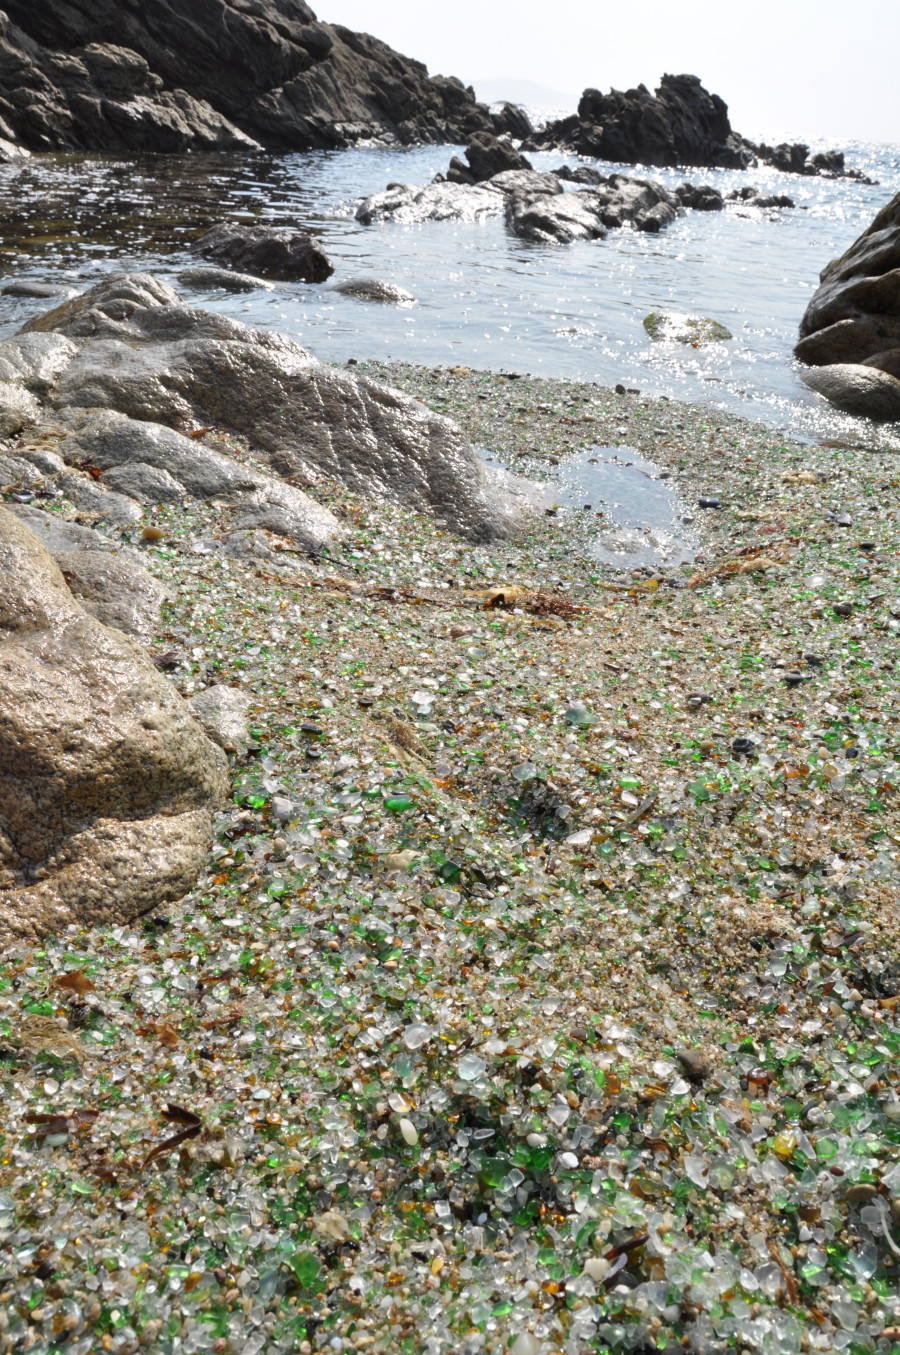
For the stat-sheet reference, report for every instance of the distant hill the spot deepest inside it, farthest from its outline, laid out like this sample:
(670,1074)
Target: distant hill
(523,92)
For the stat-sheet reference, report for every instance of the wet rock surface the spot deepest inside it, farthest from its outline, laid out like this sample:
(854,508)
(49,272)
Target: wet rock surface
(677,327)
(215,75)
(373,289)
(107,785)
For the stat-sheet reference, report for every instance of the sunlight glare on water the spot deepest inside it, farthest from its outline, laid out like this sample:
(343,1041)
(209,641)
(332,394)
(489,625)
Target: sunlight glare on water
(483,297)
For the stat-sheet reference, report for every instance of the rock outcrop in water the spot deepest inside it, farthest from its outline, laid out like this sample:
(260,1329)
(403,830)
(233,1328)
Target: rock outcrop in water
(162,75)
(535,206)
(681,124)
(851,328)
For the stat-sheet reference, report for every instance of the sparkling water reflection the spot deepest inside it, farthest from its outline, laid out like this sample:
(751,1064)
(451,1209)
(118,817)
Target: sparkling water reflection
(483,297)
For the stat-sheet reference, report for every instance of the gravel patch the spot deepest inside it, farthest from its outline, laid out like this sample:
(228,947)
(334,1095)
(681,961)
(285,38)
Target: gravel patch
(541,991)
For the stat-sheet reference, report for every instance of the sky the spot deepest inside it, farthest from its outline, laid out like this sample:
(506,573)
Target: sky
(800,68)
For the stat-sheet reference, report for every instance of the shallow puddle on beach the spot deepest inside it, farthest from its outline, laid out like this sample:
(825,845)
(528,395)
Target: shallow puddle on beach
(644,520)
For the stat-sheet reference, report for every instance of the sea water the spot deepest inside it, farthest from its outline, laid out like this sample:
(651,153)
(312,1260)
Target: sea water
(483,297)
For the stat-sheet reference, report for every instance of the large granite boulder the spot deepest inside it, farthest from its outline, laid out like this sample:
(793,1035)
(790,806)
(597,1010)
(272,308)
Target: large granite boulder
(107,784)
(855,312)
(267,251)
(163,75)
(140,365)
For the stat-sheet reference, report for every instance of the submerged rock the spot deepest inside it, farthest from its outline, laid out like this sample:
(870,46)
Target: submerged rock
(107,785)
(371,289)
(270,252)
(676,327)
(202,279)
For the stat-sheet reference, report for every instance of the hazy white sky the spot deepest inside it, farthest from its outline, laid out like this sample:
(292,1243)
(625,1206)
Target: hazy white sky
(808,68)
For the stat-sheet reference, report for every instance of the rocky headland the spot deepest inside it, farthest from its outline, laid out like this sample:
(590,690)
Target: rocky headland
(682,124)
(226,75)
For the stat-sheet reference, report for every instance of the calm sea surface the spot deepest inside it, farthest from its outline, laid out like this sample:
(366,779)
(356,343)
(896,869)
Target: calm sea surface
(484,298)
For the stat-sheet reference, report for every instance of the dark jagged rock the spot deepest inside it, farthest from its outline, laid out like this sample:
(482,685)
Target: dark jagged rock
(286,256)
(753,197)
(512,120)
(162,75)
(700,197)
(585,174)
(681,124)
(486,155)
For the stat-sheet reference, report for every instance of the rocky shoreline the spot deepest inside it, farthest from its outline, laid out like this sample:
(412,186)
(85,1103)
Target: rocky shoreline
(538,991)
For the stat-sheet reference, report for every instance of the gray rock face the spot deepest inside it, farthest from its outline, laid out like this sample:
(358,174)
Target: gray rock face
(169,364)
(98,501)
(222,711)
(57,536)
(107,785)
(857,389)
(410,205)
(852,323)
(98,96)
(560,219)
(855,312)
(145,483)
(165,75)
(286,256)
(114,590)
